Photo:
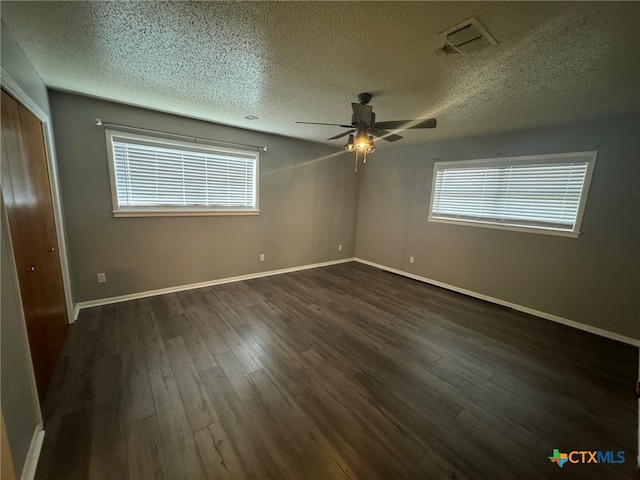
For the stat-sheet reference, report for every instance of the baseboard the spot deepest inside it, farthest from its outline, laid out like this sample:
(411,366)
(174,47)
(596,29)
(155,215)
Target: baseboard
(161,291)
(33,455)
(515,306)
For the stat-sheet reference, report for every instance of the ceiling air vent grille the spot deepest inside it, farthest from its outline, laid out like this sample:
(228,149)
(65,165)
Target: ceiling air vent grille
(468,37)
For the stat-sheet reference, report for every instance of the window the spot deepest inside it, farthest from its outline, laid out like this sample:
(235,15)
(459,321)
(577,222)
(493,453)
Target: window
(153,176)
(542,193)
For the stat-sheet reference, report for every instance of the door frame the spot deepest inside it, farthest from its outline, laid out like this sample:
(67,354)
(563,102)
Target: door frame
(12,87)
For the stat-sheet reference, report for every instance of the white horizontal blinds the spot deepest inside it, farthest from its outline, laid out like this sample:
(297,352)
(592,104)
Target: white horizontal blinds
(540,195)
(152,175)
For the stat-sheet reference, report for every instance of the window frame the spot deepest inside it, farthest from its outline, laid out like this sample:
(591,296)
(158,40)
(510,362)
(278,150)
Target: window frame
(164,211)
(589,156)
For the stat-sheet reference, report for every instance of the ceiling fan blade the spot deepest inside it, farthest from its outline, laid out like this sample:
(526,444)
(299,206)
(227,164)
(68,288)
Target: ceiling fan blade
(405,124)
(343,134)
(331,124)
(362,114)
(385,135)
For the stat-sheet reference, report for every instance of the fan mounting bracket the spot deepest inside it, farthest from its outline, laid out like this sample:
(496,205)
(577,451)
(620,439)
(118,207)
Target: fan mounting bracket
(364,98)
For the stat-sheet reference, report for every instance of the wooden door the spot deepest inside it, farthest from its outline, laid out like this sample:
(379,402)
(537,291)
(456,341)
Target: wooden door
(27,197)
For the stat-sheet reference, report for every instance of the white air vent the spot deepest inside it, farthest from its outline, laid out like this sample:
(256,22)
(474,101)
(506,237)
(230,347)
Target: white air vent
(467,37)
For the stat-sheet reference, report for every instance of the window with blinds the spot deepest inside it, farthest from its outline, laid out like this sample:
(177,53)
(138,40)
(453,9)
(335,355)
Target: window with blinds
(151,176)
(543,193)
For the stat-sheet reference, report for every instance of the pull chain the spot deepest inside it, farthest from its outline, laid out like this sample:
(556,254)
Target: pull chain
(364,159)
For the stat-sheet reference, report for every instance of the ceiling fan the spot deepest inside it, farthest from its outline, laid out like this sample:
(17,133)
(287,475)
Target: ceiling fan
(364,125)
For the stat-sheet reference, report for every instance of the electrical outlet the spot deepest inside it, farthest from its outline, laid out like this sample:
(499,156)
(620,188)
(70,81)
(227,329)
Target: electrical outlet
(339,248)
(102,278)
(411,259)
(262,257)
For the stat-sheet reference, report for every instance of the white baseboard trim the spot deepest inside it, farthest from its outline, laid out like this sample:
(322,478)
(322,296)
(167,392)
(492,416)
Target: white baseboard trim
(548,316)
(33,455)
(161,291)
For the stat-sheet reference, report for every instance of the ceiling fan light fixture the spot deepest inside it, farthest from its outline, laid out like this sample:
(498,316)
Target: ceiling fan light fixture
(350,146)
(364,128)
(370,148)
(363,142)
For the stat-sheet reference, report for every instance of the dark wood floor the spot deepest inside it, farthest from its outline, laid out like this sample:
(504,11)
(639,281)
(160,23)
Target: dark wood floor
(337,372)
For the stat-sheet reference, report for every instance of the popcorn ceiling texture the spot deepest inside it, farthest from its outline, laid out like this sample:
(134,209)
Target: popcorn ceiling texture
(306,61)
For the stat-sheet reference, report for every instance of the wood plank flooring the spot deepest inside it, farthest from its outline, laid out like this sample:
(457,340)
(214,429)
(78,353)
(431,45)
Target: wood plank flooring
(340,372)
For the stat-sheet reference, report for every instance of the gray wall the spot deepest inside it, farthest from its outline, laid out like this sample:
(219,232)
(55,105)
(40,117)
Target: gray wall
(308,202)
(594,279)
(18,397)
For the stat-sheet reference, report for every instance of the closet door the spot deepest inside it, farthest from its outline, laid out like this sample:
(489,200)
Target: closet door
(27,197)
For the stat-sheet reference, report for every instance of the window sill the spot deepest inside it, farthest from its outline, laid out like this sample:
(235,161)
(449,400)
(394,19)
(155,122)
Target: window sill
(181,213)
(514,228)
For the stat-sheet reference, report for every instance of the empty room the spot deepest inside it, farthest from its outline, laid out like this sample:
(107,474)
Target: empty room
(320,240)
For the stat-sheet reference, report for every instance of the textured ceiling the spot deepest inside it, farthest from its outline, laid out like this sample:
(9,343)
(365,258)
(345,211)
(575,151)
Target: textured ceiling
(555,62)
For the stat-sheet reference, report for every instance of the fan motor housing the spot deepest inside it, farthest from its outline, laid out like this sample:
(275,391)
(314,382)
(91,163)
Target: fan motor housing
(359,120)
